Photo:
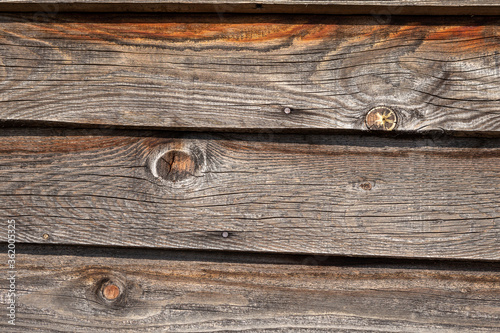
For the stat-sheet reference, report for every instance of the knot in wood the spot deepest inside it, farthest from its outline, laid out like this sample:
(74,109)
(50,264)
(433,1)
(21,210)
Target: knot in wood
(176,165)
(110,290)
(366,186)
(381,118)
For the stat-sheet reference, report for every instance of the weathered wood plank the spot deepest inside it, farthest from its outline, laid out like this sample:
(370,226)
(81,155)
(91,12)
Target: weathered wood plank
(342,195)
(64,292)
(381,8)
(210,72)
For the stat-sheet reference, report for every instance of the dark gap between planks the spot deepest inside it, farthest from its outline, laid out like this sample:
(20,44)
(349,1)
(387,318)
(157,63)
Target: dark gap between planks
(347,137)
(256,258)
(338,7)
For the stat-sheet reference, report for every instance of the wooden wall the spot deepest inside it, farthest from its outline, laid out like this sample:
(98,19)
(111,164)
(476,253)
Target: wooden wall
(284,172)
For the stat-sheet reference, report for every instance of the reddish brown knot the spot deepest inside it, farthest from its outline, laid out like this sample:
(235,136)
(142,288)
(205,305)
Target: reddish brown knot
(110,292)
(176,165)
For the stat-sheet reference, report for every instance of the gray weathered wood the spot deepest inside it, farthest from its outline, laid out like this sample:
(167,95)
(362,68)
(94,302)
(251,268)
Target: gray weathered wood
(374,7)
(61,292)
(210,72)
(342,195)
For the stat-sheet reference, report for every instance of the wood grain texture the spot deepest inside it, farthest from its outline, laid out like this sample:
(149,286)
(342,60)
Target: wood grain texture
(220,72)
(342,195)
(374,7)
(62,293)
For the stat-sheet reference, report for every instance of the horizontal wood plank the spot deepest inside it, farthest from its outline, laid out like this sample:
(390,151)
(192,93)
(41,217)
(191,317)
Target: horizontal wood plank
(246,73)
(107,291)
(341,195)
(374,7)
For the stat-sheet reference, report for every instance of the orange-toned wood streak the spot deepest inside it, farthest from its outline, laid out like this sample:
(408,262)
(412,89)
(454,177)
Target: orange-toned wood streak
(241,72)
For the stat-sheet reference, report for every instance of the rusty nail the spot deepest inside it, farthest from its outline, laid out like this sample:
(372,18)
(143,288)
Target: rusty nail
(381,118)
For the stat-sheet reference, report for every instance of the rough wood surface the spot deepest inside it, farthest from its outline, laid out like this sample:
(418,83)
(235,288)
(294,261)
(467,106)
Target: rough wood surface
(213,72)
(374,7)
(343,195)
(63,292)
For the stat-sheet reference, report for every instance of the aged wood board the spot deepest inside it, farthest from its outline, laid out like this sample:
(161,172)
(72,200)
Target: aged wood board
(248,73)
(110,290)
(222,172)
(356,195)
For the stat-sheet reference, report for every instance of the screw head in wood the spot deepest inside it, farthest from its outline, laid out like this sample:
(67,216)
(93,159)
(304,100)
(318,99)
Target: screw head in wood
(287,110)
(45,236)
(381,118)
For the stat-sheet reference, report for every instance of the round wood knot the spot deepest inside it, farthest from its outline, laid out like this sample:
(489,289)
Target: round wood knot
(110,290)
(176,165)
(381,118)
